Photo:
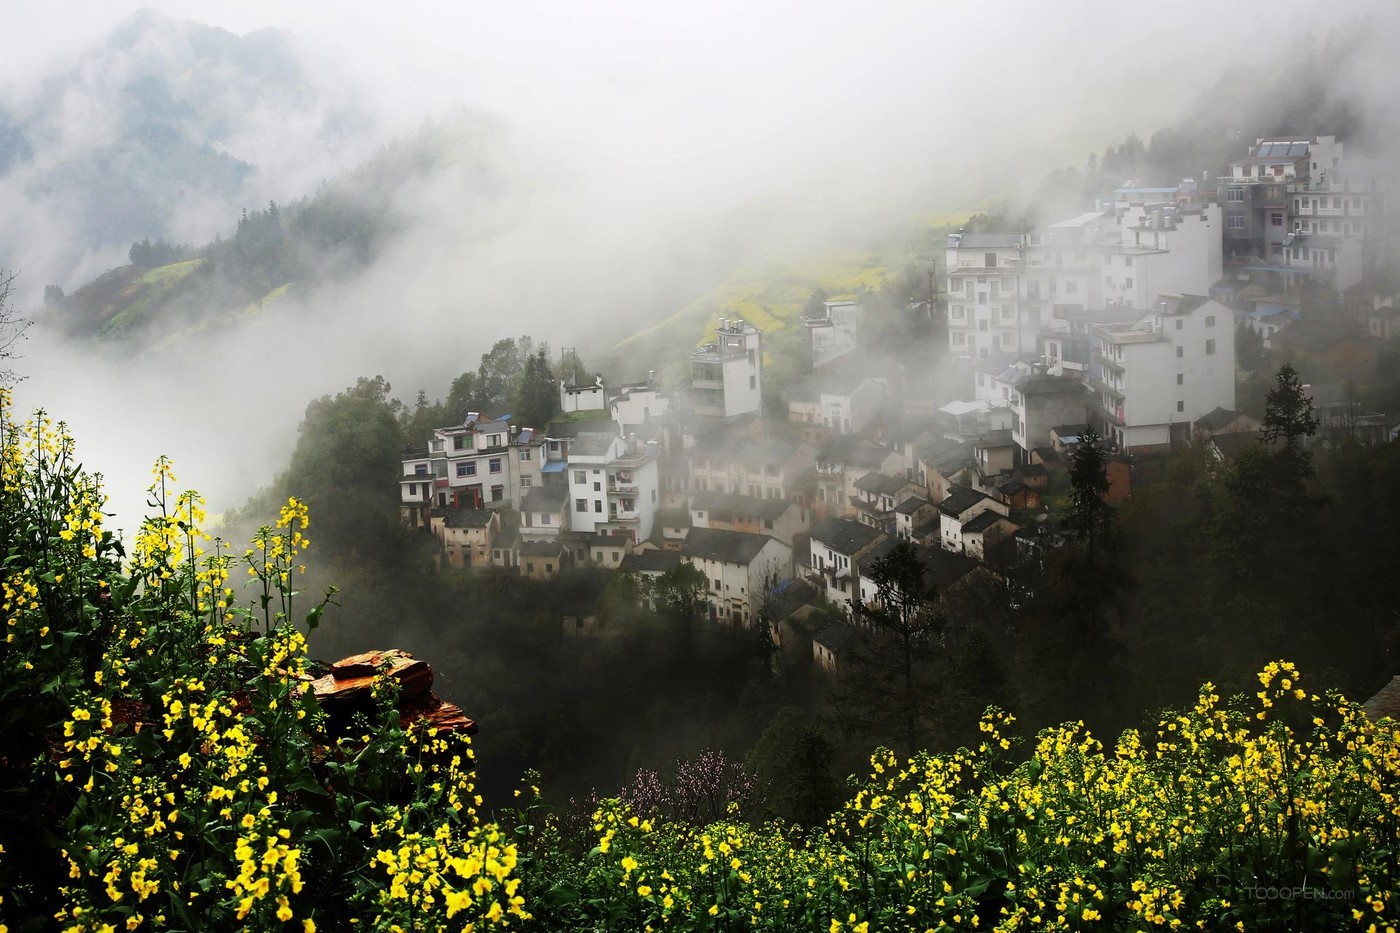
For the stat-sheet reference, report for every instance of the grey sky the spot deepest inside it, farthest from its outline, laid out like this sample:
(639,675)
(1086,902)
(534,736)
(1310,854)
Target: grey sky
(650,121)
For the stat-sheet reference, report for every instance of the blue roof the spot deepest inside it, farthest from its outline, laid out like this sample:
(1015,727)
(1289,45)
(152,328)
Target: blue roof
(554,466)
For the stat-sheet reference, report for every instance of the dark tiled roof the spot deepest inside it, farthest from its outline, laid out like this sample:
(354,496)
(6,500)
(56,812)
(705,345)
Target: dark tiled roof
(730,547)
(650,561)
(544,499)
(673,518)
(911,505)
(960,499)
(1217,418)
(844,535)
(1313,336)
(982,521)
(1064,431)
(592,444)
(466,518)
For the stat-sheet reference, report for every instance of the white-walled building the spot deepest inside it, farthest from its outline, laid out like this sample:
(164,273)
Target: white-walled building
(737,568)
(590,396)
(485,462)
(835,333)
(1154,378)
(614,486)
(727,375)
(984,272)
(635,405)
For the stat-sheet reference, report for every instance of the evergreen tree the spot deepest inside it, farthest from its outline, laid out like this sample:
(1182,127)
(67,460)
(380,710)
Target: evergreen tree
(537,398)
(1288,417)
(1093,519)
(890,689)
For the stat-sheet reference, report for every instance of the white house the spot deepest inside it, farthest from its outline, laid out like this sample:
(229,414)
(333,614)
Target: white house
(614,485)
(738,568)
(727,375)
(1154,378)
(835,548)
(961,506)
(587,397)
(835,333)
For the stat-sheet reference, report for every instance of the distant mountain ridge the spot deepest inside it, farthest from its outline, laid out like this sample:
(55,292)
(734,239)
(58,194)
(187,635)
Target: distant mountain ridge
(160,131)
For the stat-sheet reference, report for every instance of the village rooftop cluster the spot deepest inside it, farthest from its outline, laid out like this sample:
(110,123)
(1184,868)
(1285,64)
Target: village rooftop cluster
(1120,320)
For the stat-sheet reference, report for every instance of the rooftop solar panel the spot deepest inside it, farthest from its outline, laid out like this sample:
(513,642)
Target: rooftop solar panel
(1298,149)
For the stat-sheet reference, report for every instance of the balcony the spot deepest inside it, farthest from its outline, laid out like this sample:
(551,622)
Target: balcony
(622,489)
(1105,360)
(621,516)
(1107,388)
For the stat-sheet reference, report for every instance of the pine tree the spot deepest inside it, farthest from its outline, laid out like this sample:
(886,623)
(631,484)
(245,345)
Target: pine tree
(1093,519)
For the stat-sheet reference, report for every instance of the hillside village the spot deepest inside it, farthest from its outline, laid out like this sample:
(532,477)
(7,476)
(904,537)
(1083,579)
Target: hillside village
(1121,320)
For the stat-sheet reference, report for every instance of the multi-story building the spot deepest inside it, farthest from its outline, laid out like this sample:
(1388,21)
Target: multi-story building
(834,334)
(726,376)
(614,486)
(739,568)
(766,466)
(485,462)
(984,271)
(1006,290)
(1155,377)
(1293,208)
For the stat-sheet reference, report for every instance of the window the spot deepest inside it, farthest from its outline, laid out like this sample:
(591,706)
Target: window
(753,382)
(1127,260)
(462,442)
(466,469)
(580,477)
(1180,406)
(498,493)
(1108,259)
(580,505)
(495,464)
(525,453)
(1276,249)
(982,327)
(958,312)
(546,518)
(598,506)
(554,447)
(413,489)
(981,380)
(959,339)
(548,567)
(526,482)
(717,585)
(1210,320)
(495,440)
(1276,220)
(1180,352)
(616,556)
(1127,283)
(981,298)
(597,486)
(989,260)
(1235,221)
(1178,323)
(1180,379)
(1210,348)
(420,469)
(1234,194)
